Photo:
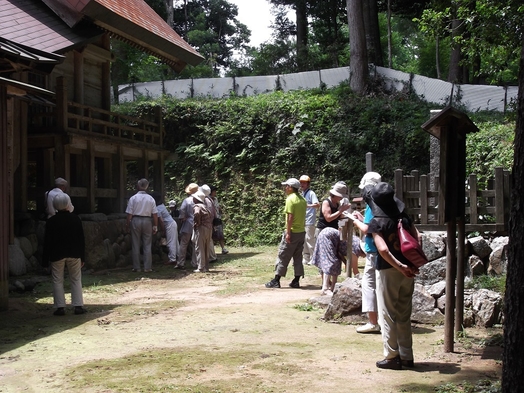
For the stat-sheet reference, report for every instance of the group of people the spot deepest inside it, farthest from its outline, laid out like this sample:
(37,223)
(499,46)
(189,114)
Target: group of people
(201,225)
(388,278)
(310,242)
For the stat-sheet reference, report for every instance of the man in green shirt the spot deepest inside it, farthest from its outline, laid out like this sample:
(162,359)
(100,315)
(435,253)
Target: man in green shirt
(292,242)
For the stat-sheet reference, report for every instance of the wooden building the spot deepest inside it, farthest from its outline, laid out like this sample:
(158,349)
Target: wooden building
(55,101)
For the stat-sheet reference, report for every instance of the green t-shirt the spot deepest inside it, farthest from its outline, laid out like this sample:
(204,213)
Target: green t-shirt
(296,205)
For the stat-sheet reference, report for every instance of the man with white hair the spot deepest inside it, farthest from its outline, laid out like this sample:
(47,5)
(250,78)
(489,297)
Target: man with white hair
(60,188)
(64,245)
(369,296)
(140,208)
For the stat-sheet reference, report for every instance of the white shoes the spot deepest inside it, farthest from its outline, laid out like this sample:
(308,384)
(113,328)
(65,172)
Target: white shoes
(369,328)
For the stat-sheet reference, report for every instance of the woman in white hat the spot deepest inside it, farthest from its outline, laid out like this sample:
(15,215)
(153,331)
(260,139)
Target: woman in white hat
(331,209)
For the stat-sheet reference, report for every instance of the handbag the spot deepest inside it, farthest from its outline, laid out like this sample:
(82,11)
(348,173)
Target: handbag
(410,247)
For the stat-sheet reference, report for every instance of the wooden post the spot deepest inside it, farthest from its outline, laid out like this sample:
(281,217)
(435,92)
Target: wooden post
(451,264)
(459,301)
(499,195)
(61,105)
(4,203)
(348,231)
(473,203)
(23,157)
(90,158)
(370,161)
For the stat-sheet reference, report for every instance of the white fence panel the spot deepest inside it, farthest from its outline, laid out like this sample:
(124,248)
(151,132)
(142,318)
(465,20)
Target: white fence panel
(300,81)
(253,85)
(473,97)
(178,88)
(334,76)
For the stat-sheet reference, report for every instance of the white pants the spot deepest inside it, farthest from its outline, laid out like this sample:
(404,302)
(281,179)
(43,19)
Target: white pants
(74,268)
(172,240)
(369,284)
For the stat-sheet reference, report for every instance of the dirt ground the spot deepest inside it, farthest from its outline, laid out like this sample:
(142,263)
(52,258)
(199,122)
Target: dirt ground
(223,331)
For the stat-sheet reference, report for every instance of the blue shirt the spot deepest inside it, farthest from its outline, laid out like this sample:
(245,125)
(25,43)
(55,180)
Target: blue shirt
(311,212)
(368,239)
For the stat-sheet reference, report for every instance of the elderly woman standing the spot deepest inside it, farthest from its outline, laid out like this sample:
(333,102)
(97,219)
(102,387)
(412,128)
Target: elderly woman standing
(331,210)
(395,278)
(64,245)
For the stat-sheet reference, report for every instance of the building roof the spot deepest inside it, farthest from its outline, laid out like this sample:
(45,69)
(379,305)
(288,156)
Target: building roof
(60,25)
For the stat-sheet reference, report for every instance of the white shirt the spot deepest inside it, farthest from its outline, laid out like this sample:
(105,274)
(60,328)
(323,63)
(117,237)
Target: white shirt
(141,204)
(50,209)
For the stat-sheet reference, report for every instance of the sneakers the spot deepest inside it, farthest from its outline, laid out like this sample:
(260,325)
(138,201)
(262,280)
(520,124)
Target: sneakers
(225,251)
(390,364)
(369,328)
(59,311)
(273,284)
(179,267)
(294,284)
(80,310)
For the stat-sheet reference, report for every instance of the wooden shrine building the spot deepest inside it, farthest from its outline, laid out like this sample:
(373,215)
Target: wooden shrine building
(55,105)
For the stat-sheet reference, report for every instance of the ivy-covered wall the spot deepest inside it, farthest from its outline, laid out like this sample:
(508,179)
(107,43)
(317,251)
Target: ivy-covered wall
(248,145)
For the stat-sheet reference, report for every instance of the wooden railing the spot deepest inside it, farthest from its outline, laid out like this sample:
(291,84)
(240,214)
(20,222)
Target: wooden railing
(81,119)
(486,210)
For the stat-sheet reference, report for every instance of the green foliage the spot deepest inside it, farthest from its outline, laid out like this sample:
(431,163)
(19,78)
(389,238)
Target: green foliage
(489,148)
(493,283)
(248,146)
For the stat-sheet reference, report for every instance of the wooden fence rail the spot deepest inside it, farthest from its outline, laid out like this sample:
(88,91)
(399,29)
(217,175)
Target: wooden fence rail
(486,210)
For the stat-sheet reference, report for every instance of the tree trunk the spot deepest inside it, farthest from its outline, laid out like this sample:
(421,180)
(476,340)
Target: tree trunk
(302,32)
(390,44)
(513,357)
(170,12)
(455,69)
(370,9)
(437,55)
(358,58)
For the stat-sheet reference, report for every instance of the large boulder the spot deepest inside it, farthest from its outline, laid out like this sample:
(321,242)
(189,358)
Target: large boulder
(434,244)
(17,260)
(432,272)
(424,310)
(480,246)
(498,259)
(487,306)
(25,245)
(346,299)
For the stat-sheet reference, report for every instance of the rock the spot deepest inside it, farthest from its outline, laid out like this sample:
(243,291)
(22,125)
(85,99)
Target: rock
(96,217)
(17,261)
(432,272)
(25,246)
(498,260)
(346,299)
(475,266)
(438,289)
(486,307)
(424,310)
(480,246)
(434,245)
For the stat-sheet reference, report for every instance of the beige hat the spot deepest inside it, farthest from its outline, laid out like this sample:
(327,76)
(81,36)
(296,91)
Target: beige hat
(339,190)
(191,189)
(292,182)
(199,195)
(370,179)
(305,178)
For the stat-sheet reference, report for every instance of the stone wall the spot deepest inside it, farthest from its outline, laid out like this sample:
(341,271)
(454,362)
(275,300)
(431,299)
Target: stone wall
(108,245)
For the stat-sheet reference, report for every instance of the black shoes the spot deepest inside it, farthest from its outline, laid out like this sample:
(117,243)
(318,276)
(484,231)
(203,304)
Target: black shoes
(80,310)
(273,284)
(294,284)
(407,363)
(390,364)
(59,311)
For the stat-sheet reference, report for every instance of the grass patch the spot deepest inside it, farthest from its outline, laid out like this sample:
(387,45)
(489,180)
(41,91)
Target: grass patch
(485,281)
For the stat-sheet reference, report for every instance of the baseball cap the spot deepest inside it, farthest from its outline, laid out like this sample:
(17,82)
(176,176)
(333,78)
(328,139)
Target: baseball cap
(305,178)
(292,182)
